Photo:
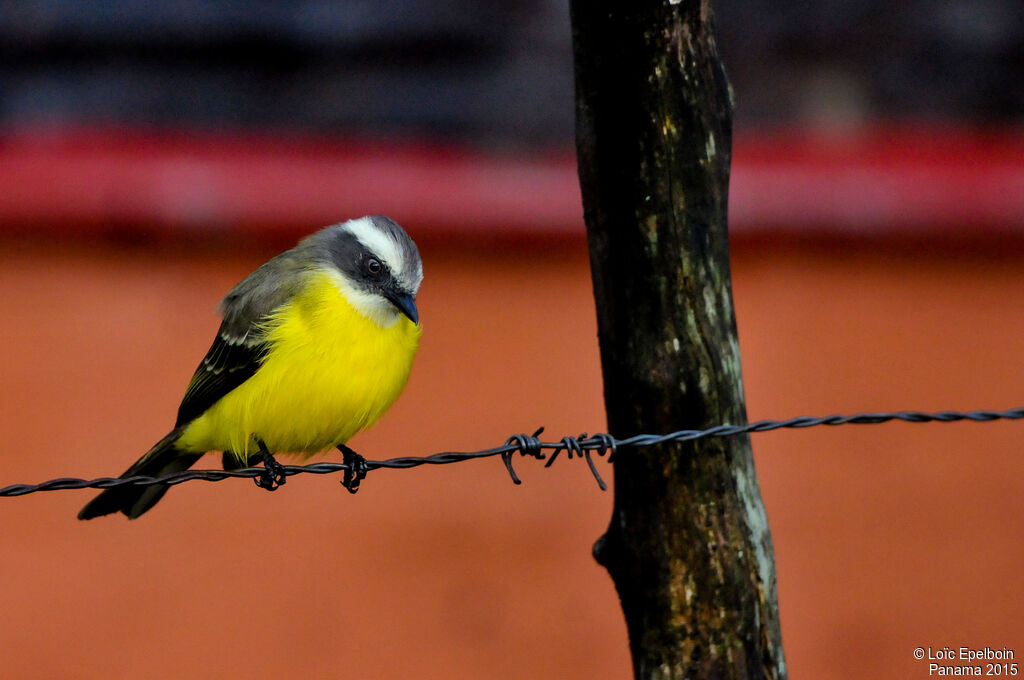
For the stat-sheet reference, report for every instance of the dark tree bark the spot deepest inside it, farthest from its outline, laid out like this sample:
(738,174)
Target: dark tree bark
(688,545)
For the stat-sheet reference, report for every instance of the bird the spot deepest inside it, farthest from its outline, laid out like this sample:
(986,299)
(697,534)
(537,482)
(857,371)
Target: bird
(313,347)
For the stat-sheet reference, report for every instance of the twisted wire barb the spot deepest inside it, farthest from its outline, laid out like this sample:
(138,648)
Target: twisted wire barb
(582,446)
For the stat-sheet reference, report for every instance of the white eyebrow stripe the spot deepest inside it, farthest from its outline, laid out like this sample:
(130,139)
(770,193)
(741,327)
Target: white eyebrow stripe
(379,243)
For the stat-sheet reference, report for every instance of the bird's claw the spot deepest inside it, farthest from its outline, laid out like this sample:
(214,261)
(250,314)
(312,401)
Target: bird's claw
(356,470)
(274,475)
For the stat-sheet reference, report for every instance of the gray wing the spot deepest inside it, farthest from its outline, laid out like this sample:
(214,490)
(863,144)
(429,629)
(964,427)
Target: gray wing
(240,348)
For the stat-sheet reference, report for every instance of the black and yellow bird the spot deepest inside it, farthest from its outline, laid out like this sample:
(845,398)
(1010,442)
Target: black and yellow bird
(315,345)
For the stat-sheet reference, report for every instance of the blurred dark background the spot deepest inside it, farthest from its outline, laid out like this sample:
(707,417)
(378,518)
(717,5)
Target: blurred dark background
(206,117)
(486,72)
(494,72)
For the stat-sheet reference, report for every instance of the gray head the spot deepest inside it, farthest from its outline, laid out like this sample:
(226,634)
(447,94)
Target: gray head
(379,266)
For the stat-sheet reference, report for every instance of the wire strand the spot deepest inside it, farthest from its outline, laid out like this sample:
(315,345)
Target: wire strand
(581,446)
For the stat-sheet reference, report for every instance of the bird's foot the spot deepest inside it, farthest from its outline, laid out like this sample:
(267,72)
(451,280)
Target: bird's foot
(273,472)
(356,470)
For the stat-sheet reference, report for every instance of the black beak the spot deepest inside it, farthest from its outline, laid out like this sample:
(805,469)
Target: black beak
(406,304)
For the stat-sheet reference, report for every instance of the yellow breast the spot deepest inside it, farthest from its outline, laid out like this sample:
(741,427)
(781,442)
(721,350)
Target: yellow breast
(329,373)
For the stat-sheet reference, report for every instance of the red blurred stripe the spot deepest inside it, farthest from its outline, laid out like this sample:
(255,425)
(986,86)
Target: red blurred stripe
(884,180)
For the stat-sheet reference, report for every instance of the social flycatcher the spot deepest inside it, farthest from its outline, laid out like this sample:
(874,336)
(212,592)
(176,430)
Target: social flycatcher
(314,346)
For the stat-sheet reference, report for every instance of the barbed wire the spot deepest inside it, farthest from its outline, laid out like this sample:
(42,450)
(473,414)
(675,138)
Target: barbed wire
(582,446)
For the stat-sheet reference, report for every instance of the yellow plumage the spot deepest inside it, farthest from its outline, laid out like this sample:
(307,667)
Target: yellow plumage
(314,346)
(329,372)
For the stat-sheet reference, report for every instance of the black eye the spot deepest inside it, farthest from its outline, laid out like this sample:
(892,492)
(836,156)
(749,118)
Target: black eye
(374,267)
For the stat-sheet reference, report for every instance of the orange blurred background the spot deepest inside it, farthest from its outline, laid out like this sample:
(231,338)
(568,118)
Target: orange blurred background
(151,155)
(887,537)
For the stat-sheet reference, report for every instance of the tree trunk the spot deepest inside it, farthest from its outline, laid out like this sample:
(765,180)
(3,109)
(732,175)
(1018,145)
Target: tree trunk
(688,545)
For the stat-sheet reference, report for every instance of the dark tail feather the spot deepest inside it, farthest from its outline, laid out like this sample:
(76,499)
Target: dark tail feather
(163,459)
